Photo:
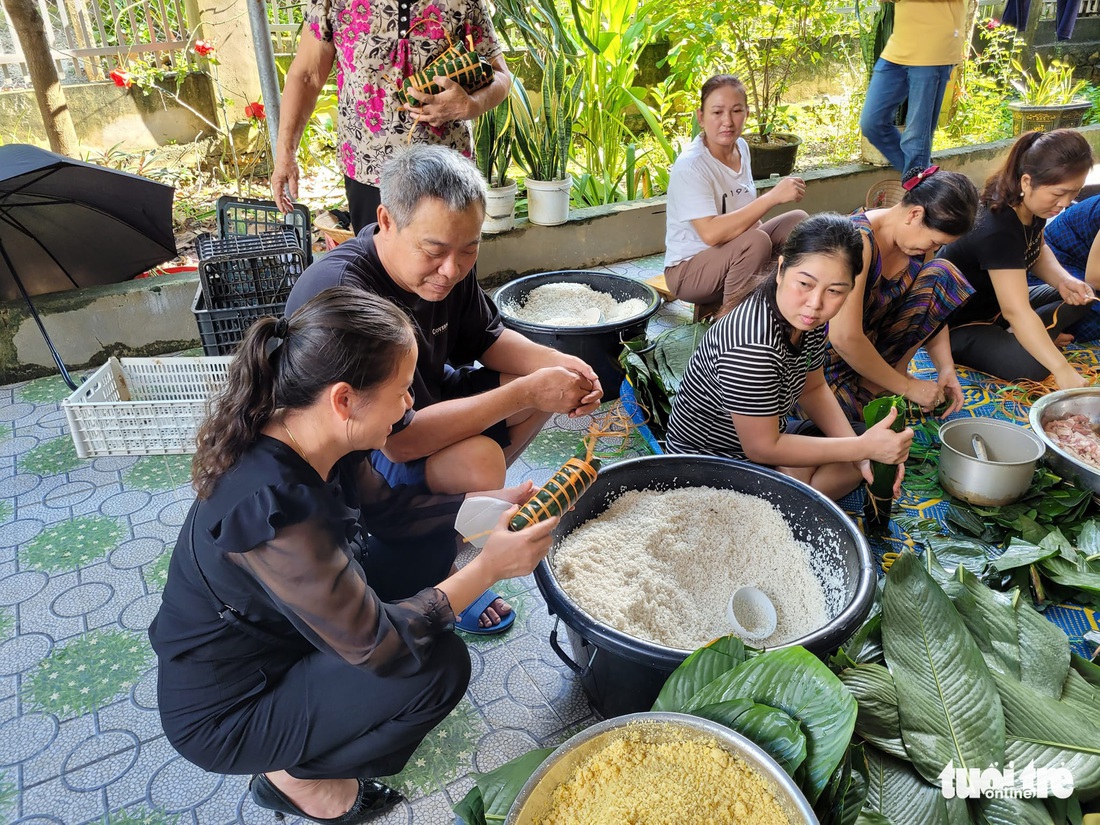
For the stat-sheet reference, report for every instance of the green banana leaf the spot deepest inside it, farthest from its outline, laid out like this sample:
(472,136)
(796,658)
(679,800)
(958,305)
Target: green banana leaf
(1079,693)
(796,682)
(880,491)
(1084,576)
(1056,540)
(947,702)
(1088,542)
(1011,811)
(1021,553)
(1051,734)
(846,792)
(1090,671)
(497,789)
(865,646)
(770,728)
(896,792)
(1014,640)
(698,670)
(871,818)
(955,551)
(877,720)
(471,808)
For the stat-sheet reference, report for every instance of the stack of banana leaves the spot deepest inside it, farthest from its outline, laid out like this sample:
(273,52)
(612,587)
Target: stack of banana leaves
(656,367)
(1048,542)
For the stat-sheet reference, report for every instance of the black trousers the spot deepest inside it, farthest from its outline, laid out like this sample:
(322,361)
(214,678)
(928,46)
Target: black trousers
(991,348)
(363,201)
(316,716)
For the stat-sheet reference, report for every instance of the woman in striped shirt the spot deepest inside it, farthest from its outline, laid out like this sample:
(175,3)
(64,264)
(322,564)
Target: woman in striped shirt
(756,363)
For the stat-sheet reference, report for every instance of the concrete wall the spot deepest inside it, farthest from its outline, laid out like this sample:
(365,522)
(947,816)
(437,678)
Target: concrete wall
(105,115)
(149,317)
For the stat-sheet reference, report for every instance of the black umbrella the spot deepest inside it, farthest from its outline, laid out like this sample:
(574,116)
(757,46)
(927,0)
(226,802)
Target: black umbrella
(66,224)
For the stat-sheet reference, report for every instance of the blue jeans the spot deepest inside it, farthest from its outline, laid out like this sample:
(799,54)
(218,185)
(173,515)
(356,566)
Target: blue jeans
(890,85)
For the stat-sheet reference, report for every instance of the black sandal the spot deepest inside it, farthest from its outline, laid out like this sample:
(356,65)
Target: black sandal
(373,799)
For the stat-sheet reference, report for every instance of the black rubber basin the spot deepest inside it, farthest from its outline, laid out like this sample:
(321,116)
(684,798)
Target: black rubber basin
(598,345)
(623,674)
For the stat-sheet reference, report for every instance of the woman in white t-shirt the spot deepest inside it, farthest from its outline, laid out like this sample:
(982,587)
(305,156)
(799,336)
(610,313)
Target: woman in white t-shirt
(715,244)
(760,360)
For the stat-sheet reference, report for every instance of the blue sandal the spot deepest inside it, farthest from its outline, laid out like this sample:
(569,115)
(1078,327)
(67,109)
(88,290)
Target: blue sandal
(468,622)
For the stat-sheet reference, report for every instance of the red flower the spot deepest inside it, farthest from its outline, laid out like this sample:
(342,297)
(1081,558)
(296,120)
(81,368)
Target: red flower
(203,49)
(992,24)
(255,111)
(122,79)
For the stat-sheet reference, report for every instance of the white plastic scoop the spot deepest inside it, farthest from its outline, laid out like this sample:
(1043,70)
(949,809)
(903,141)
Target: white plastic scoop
(751,614)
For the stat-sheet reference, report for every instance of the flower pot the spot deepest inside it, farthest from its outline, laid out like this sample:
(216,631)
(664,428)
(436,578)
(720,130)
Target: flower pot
(776,157)
(870,154)
(500,208)
(548,201)
(1028,118)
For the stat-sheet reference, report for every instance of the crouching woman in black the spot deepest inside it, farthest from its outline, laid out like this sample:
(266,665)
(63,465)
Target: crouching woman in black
(277,656)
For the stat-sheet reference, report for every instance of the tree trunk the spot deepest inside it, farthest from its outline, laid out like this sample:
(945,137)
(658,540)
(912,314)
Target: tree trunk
(29,27)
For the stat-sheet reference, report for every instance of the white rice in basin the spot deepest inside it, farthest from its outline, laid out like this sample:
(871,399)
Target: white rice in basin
(572,305)
(661,566)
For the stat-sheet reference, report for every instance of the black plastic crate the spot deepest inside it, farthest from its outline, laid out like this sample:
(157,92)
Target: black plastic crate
(221,330)
(249,270)
(251,216)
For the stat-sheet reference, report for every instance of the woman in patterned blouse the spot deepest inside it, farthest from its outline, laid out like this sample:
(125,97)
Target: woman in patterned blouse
(375,45)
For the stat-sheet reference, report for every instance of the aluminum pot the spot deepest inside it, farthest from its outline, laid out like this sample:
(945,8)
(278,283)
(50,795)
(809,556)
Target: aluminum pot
(534,797)
(1084,401)
(1003,476)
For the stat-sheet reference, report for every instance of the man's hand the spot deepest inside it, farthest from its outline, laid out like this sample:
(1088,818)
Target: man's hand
(448,105)
(558,390)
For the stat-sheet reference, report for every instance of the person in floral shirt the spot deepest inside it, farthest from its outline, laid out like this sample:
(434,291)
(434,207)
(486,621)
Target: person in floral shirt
(375,45)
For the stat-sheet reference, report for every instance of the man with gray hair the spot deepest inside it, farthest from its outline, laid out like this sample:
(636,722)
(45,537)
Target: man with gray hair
(468,423)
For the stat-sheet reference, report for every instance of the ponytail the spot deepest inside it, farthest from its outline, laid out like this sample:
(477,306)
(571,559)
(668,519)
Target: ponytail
(342,334)
(1047,158)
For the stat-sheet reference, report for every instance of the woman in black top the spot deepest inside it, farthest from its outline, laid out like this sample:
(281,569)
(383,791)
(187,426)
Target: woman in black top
(1007,329)
(276,656)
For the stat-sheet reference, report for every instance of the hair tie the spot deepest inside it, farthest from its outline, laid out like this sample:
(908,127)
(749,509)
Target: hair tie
(278,335)
(910,184)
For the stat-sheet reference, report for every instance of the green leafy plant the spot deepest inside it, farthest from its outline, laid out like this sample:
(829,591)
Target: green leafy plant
(762,41)
(613,34)
(953,673)
(544,132)
(493,141)
(1050,84)
(979,110)
(495,791)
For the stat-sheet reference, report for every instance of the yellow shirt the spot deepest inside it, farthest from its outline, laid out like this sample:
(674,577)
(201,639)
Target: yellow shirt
(927,33)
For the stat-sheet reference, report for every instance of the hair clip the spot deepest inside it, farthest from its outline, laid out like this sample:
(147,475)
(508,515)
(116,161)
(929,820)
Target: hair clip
(278,335)
(917,178)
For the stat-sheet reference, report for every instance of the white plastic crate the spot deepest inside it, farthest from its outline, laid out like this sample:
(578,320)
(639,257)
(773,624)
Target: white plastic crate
(143,406)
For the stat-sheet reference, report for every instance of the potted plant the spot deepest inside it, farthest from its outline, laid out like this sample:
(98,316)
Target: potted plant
(876,23)
(493,141)
(543,135)
(1049,98)
(763,42)
(771,39)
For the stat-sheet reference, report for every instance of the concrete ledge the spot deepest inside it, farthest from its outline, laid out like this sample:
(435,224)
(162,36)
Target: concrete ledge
(149,317)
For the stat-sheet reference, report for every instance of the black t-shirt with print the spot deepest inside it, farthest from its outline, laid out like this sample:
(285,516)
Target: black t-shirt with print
(455,331)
